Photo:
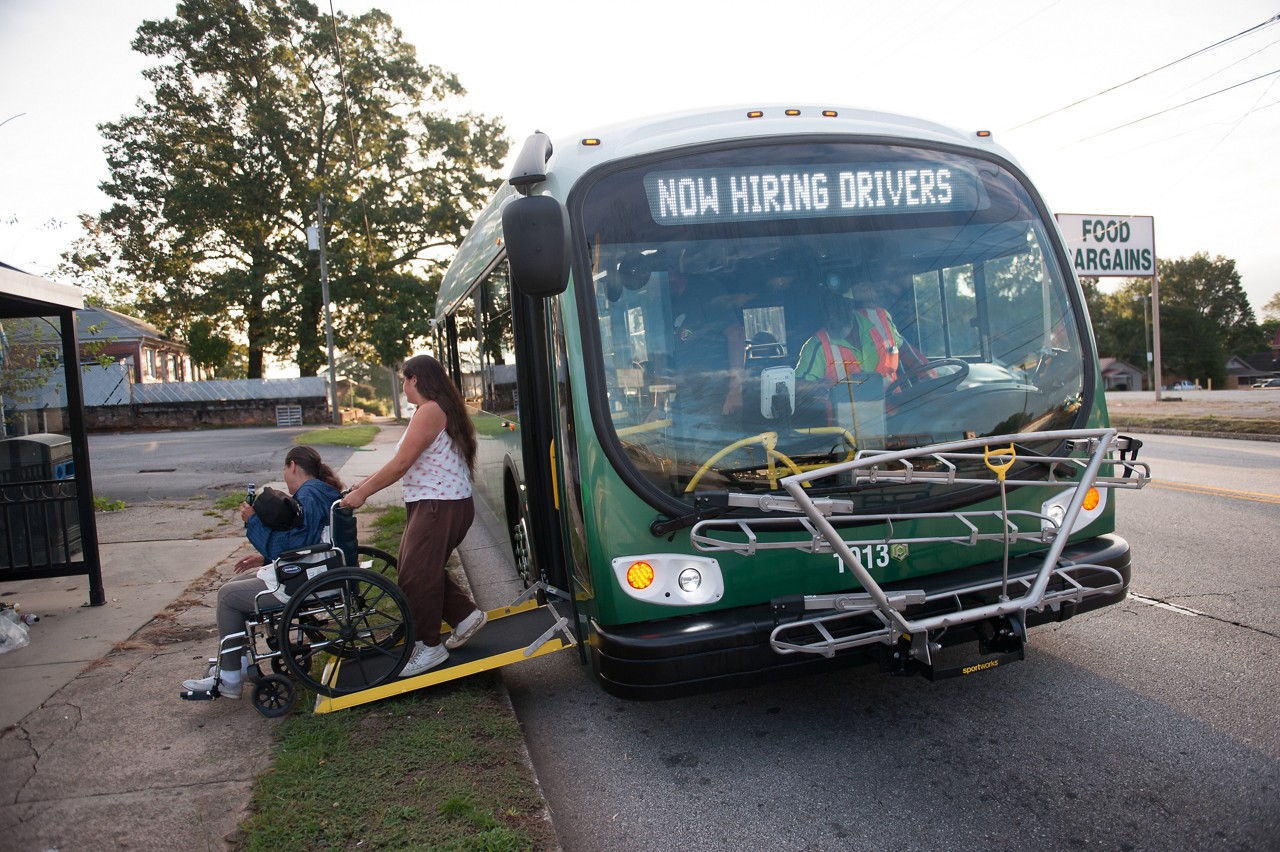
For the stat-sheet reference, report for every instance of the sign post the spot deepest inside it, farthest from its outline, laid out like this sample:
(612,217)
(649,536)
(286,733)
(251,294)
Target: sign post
(1117,247)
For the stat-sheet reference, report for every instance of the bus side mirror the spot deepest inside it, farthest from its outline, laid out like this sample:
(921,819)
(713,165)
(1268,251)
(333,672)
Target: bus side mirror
(536,231)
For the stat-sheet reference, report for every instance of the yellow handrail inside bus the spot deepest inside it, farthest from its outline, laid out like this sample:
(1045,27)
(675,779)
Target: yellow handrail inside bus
(769,440)
(644,427)
(555,486)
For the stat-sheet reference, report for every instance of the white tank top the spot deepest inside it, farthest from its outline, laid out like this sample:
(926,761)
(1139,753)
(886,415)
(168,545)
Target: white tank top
(440,473)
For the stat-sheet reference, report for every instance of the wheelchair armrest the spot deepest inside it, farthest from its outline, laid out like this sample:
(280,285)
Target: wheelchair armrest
(309,550)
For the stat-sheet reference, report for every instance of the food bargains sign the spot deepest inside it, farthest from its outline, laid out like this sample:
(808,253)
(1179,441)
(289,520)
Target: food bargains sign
(1123,246)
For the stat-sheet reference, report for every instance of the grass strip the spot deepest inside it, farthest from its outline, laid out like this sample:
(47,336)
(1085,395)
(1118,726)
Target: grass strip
(343,436)
(439,769)
(1207,423)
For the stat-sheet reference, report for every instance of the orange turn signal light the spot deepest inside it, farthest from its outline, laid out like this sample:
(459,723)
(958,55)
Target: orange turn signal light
(1091,499)
(640,575)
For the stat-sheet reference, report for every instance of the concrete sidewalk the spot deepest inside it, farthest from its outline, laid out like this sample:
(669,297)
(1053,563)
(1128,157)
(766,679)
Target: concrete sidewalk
(96,749)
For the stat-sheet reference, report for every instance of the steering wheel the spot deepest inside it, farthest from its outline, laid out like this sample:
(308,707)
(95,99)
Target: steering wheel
(918,382)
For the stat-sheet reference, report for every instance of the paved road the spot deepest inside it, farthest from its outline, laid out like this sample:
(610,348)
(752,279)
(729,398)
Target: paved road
(143,466)
(1150,725)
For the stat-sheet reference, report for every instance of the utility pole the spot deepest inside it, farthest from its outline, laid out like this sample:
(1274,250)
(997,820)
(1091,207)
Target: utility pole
(1158,367)
(316,241)
(1146,337)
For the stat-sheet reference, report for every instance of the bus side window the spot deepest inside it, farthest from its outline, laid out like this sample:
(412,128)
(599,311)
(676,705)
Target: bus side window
(486,345)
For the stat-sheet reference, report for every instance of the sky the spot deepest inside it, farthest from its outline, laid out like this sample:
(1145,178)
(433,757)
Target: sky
(1077,90)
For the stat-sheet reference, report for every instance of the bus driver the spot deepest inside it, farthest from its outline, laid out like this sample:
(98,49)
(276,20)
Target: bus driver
(861,337)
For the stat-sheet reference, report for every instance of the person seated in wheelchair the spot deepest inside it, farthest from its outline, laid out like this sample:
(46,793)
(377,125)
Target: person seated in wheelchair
(316,487)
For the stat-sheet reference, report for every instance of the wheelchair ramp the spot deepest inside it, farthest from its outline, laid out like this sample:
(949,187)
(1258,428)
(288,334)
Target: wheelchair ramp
(513,634)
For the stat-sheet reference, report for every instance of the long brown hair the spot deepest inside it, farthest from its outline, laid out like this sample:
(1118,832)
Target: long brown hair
(434,384)
(310,463)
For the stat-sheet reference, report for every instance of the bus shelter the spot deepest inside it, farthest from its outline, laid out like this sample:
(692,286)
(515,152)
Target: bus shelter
(47,526)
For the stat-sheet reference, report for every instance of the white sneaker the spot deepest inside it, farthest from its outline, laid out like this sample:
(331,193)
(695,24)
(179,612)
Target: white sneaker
(424,658)
(465,629)
(206,684)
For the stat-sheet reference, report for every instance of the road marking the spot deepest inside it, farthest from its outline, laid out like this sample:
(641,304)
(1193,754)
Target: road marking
(1254,496)
(1181,610)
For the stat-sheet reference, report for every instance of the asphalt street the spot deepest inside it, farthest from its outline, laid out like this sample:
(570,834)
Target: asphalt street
(141,467)
(1149,725)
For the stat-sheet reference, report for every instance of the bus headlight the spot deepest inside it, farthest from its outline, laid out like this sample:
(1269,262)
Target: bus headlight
(689,580)
(673,579)
(1055,509)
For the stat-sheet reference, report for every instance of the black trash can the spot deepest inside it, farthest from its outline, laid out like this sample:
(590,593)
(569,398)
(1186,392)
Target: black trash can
(39,513)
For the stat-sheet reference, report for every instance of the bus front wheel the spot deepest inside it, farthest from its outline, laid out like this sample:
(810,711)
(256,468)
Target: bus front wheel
(523,550)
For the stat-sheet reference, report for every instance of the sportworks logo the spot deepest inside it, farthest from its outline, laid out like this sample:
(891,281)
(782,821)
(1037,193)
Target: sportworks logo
(990,664)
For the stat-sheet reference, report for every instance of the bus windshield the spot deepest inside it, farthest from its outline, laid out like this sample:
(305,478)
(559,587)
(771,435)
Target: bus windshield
(758,310)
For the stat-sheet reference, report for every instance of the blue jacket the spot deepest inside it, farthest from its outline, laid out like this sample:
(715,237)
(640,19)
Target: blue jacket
(315,497)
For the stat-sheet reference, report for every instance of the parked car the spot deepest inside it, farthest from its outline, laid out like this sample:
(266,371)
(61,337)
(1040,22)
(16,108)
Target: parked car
(1186,385)
(1272,383)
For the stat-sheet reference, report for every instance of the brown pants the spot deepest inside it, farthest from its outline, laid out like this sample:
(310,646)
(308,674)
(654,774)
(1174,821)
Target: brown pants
(432,531)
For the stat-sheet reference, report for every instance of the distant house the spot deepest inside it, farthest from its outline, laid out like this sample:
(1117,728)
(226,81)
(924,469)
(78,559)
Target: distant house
(1244,370)
(150,355)
(1118,375)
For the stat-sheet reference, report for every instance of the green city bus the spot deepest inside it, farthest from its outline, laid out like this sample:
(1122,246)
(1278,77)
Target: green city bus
(763,392)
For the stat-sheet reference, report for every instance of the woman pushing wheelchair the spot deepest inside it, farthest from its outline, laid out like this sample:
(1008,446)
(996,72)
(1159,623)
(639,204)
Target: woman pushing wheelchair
(433,462)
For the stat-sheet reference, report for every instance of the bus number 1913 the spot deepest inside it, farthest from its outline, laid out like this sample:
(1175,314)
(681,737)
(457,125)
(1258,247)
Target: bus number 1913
(870,555)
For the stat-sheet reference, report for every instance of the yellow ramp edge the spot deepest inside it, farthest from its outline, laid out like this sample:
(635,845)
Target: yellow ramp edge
(399,686)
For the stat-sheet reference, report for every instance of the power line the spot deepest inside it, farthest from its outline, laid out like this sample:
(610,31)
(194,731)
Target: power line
(1179,106)
(1265,23)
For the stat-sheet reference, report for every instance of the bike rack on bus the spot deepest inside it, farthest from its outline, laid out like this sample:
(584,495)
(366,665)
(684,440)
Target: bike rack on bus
(966,462)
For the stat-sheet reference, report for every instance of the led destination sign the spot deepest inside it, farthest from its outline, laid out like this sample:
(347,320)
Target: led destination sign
(744,195)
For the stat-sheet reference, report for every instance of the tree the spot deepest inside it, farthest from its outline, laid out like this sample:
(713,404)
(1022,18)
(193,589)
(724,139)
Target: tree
(1270,325)
(209,347)
(1205,316)
(91,263)
(1271,310)
(258,108)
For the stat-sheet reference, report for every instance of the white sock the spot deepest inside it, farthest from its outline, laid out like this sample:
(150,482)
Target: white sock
(230,677)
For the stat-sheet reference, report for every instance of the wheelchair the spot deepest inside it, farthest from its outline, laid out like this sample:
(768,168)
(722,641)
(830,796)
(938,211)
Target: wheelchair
(330,622)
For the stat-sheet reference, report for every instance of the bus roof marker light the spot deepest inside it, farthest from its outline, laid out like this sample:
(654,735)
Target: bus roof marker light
(791,112)
(984,134)
(755,113)
(591,142)
(830,113)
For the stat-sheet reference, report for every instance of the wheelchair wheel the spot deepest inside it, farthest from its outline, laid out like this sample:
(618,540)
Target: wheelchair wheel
(381,562)
(274,695)
(378,561)
(353,619)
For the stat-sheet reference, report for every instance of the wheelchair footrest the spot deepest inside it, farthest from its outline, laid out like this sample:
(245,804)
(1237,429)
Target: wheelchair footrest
(197,695)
